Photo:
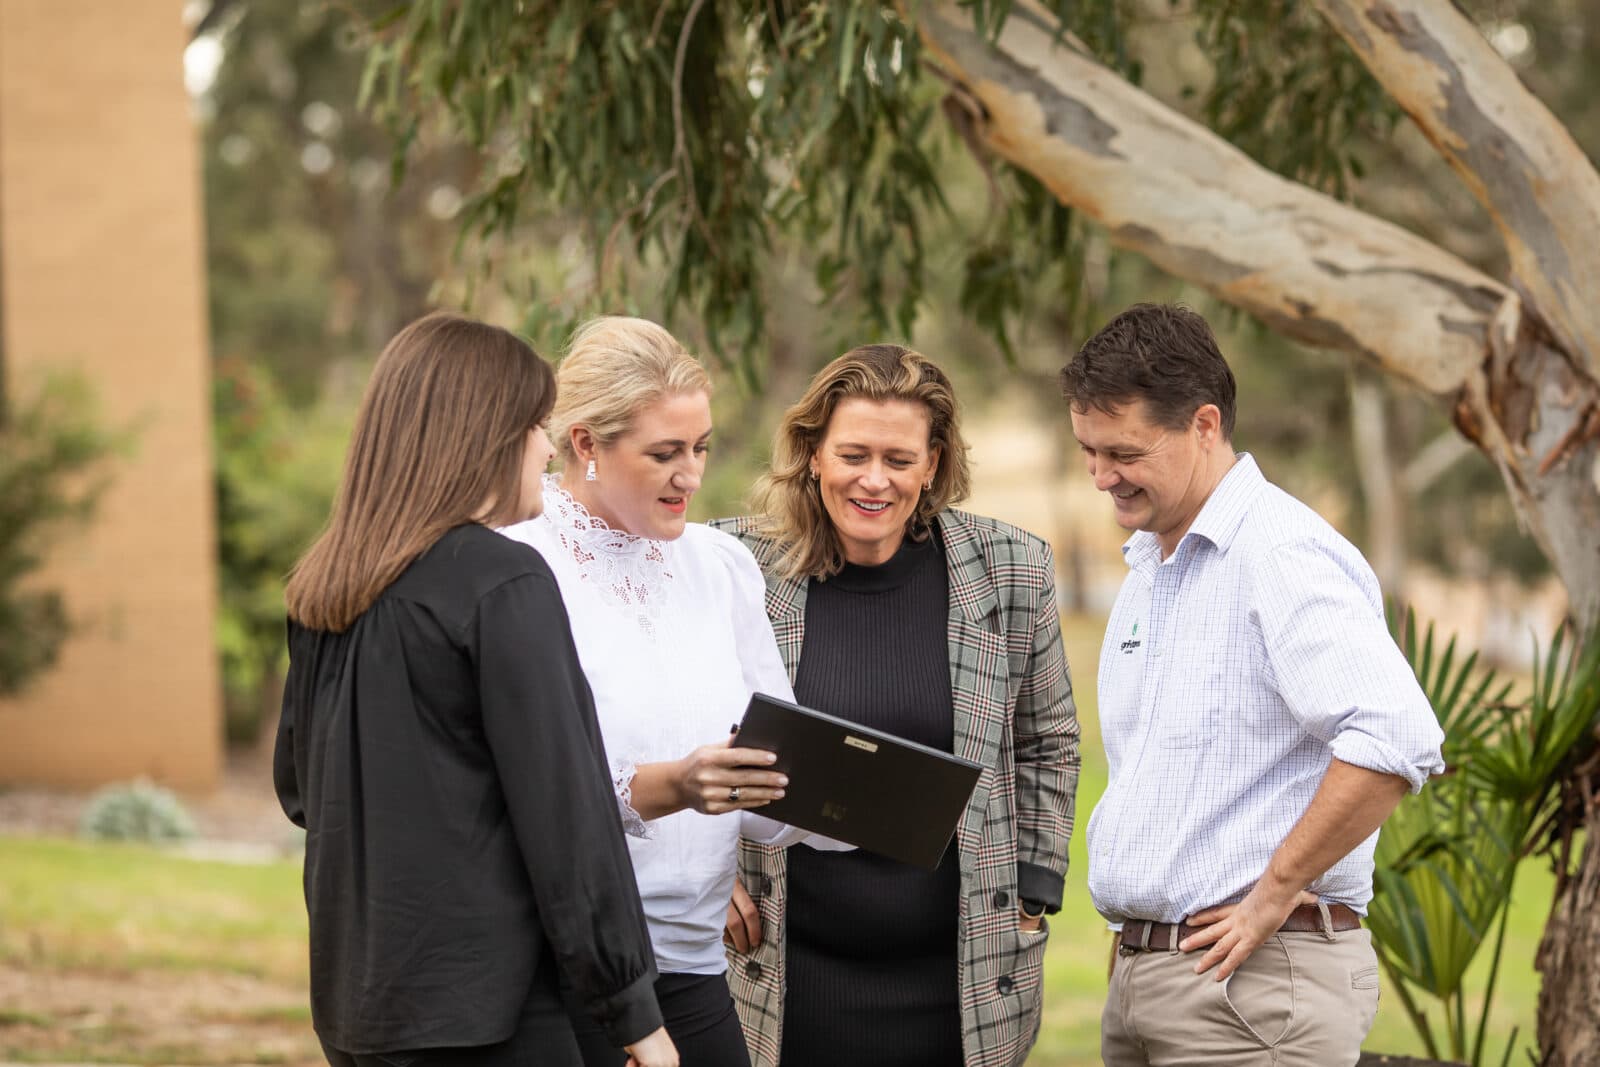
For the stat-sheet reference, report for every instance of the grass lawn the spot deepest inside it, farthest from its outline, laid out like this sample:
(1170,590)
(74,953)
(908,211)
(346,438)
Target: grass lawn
(126,954)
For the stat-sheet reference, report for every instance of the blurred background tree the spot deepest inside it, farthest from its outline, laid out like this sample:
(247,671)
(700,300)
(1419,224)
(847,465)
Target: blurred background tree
(315,258)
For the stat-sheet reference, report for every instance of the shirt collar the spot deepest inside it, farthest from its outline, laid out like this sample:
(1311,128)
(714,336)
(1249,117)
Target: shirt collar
(1219,519)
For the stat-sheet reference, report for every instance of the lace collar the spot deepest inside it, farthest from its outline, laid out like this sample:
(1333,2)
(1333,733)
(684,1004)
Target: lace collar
(630,574)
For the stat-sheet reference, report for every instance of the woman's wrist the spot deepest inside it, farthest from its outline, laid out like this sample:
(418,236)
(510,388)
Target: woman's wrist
(658,789)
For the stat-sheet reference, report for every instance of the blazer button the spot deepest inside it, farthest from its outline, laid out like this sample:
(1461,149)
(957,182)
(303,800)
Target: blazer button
(766,886)
(752,970)
(1001,899)
(1005,984)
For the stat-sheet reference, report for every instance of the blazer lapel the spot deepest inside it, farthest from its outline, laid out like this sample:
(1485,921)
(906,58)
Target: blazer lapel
(786,608)
(979,675)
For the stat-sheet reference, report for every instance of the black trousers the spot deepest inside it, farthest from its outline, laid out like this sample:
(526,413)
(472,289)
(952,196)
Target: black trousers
(700,1018)
(543,1038)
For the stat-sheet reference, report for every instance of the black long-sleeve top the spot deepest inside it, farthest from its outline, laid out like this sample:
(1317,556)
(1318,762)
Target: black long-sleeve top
(461,830)
(872,943)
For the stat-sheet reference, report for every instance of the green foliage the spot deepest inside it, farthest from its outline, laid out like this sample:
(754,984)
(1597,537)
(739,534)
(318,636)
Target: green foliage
(1447,858)
(53,468)
(137,811)
(704,137)
(1288,91)
(690,133)
(277,471)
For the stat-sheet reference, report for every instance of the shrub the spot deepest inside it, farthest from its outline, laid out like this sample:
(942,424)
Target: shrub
(278,467)
(136,811)
(53,470)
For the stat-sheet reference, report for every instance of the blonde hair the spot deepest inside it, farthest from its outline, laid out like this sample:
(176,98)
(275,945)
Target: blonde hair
(790,501)
(615,366)
(441,431)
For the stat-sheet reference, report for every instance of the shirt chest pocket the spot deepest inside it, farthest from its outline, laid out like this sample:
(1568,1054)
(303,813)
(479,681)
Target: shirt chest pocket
(1195,694)
(1187,727)
(1202,695)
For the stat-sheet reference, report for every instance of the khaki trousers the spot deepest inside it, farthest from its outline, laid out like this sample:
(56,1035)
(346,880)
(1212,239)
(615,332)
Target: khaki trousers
(1301,1000)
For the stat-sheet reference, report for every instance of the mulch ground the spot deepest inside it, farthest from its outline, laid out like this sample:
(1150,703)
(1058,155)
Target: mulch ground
(152,1017)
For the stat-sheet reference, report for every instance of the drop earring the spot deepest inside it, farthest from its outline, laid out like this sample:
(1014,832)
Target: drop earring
(589,475)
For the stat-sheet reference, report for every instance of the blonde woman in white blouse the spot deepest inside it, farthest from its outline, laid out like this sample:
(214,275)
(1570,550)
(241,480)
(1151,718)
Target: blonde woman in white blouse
(670,627)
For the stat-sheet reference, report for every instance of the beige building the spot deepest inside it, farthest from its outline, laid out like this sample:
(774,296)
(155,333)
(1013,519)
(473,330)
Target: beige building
(102,270)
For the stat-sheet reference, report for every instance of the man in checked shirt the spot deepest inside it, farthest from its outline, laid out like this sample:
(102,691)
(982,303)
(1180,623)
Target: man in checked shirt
(1259,724)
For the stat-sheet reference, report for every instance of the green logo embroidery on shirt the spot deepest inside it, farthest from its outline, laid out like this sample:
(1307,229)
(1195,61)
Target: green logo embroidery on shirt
(1132,642)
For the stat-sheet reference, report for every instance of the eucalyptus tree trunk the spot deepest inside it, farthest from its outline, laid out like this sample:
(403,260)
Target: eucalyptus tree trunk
(1380,483)
(1569,952)
(1515,363)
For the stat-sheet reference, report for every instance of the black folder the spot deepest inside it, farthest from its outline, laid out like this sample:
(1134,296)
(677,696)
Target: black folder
(863,787)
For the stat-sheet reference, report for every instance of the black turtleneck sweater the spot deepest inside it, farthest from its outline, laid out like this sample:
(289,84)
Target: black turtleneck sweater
(871,942)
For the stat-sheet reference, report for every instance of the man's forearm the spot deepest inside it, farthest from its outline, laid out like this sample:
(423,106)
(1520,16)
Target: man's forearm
(1348,806)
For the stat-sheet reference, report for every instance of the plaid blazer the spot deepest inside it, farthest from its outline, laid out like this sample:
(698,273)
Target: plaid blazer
(1014,715)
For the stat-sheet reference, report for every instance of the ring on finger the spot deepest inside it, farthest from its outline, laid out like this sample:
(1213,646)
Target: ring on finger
(733,795)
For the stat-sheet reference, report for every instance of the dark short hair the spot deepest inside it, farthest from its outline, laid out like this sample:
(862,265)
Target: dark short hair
(1163,354)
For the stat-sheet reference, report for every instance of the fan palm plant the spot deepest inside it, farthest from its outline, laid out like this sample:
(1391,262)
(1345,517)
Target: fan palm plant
(1448,857)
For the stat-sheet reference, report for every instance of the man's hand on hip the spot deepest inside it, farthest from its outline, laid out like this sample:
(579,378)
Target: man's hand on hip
(1349,805)
(1234,931)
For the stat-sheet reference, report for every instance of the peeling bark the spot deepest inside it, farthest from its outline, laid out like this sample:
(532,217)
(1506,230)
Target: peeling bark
(1568,1035)
(1514,155)
(1315,269)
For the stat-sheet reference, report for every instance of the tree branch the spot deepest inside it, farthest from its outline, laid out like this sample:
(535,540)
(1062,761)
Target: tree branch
(1314,269)
(680,143)
(1514,155)
(1433,460)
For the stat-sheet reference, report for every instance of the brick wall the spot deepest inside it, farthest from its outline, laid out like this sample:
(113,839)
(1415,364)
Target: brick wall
(102,269)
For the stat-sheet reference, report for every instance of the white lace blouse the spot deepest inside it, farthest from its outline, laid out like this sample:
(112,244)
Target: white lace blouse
(674,638)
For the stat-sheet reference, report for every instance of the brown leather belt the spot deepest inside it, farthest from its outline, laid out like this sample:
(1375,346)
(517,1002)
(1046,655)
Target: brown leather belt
(1140,935)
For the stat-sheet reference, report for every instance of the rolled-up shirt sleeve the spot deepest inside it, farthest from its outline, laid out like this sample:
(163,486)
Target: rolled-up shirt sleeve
(539,719)
(1336,666)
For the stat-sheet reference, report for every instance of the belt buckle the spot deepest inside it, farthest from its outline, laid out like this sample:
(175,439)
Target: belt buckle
(1125,947)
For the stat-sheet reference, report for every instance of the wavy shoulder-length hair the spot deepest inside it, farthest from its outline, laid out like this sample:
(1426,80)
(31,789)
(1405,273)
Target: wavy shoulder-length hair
(438,442)
(790,501)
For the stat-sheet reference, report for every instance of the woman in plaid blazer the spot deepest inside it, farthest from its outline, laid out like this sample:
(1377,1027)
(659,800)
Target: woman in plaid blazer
(864,957)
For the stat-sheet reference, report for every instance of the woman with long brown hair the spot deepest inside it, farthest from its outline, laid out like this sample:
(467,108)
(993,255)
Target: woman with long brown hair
(462,847)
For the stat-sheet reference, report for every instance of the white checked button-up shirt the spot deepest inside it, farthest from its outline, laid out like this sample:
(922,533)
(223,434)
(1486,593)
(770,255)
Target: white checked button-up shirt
(1231,673)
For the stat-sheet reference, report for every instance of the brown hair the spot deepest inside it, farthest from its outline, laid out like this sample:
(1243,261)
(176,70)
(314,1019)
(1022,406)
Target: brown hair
(440,434)
(790,501)
(614,367)
(1163,354)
